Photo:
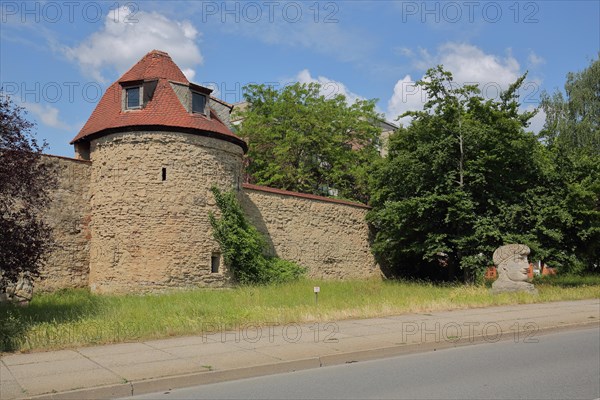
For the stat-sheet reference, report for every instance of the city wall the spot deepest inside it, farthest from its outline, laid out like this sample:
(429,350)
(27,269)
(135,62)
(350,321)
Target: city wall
(69,215)
(329,237)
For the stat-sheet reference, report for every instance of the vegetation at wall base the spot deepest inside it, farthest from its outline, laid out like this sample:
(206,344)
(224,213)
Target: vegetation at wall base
(244,247)
(72,318)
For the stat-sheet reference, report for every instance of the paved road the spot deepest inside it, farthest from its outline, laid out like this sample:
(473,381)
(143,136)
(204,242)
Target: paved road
(559,366)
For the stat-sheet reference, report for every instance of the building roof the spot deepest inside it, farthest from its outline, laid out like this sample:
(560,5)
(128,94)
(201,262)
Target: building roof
(386,125)
(164,110)
(156,64)
(268,189)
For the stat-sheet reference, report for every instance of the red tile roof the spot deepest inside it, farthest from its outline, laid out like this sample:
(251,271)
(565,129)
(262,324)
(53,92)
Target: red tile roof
(156,64)
(302,195)
(164,110)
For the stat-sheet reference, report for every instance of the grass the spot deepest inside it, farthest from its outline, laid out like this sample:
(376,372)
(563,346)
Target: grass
(568,280)
(72,318)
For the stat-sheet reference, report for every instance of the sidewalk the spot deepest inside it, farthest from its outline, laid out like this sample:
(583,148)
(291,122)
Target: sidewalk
(121,370)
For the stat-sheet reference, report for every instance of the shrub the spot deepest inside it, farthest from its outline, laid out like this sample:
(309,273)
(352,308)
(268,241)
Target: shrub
(281,271)
(244,247)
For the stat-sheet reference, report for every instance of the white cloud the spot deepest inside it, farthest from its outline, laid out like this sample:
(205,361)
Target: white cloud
(48,115)
(189,73)
(405,51)
(537,122)
(425,60)
(124,39)
(303,25)
(328,39)
(468,64)
(534,60)
(329,87)
(407,97)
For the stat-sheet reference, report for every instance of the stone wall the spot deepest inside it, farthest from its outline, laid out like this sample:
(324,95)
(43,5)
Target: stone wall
(150,205)
(330,238)
(69,216)
(119,227)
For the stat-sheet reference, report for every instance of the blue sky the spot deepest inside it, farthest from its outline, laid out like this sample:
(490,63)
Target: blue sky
(56,58)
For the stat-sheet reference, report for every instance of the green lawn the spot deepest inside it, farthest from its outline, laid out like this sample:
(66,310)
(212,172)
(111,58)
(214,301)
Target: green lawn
(73,318)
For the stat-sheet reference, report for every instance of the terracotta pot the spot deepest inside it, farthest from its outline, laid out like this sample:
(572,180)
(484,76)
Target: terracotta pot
(548,271)
(491,274)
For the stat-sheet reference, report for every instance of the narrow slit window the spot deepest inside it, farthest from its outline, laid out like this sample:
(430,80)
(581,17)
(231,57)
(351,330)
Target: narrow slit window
(215,261)
(164,174)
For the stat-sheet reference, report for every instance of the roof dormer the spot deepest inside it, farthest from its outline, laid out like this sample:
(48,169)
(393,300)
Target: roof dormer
(200,96)
(135,95)
(194,98)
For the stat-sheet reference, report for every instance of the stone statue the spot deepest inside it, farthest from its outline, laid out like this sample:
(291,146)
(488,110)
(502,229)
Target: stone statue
(19,292)
(512,265)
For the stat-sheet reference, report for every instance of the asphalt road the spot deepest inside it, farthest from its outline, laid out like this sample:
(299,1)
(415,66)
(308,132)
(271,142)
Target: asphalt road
(563,365)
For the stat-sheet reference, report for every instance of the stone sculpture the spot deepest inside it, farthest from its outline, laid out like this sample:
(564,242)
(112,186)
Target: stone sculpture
(19,293)
(512,266)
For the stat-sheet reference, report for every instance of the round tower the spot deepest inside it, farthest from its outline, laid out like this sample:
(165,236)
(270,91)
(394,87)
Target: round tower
(157,143)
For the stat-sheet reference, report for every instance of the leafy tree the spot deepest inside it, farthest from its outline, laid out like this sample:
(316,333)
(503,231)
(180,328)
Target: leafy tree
(302,141)
(572,134)
(244,247)
(460,180)
(573,119)
(24,186)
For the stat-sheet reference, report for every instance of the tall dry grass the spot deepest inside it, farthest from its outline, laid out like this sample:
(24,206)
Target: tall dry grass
(72,318)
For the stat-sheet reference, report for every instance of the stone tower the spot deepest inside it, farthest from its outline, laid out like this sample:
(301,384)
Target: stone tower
(157,143)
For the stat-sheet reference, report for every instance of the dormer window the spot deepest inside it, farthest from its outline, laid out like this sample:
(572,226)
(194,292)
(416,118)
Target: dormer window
(133,97)
(198,103)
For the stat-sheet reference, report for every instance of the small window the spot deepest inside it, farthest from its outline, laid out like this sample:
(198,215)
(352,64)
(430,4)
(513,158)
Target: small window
(198,102)
(164,174)
(133,97)
(215,261)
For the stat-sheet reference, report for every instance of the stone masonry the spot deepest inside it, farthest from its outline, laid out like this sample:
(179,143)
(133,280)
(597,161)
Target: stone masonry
(69,215)
(151,231)
(330,238)
(136,214)
(148,234)
(131,213)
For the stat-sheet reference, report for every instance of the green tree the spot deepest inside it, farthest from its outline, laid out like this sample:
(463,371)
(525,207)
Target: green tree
(572,135)
(302,141)
(25,182)
(458,181)
(573,119)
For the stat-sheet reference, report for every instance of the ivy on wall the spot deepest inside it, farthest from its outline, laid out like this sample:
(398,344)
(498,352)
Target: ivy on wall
(244,247)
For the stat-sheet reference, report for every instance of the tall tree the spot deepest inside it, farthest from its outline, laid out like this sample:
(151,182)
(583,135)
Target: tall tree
(572,133)
(302,141)
(24,185)
(573,119)
(458,182)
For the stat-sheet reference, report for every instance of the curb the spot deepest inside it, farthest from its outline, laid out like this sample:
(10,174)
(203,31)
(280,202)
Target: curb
(168,383)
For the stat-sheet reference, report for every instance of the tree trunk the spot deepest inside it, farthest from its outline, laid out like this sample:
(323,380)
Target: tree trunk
(461,172)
